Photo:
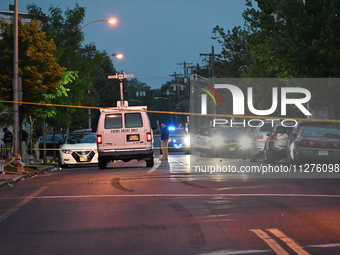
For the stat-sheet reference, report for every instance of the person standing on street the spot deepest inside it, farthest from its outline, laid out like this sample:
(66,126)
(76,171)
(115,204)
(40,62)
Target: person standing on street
(24,138)
(164,141)
(8,140)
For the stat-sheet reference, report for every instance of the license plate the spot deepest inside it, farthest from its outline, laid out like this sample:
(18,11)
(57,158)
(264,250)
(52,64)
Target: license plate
(323,153)
(232,149)
(83,159)
(133,138)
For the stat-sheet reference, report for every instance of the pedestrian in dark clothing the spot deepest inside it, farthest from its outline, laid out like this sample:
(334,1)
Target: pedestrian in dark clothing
(164,141)
(24,138)
(8,140)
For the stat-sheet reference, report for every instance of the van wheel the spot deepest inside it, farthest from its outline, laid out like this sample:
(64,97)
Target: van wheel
(102,163)
(150,162)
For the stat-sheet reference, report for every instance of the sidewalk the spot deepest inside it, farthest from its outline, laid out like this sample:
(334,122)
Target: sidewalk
(11,174)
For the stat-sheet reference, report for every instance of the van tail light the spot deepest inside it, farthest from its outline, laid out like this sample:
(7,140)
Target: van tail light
(149,137)
(99,139)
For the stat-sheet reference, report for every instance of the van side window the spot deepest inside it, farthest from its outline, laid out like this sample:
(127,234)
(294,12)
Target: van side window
(113,121)
(133,120)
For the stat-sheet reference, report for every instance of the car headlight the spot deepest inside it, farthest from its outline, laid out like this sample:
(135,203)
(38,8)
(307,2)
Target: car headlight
(187,140)
(245,142)
(217,140)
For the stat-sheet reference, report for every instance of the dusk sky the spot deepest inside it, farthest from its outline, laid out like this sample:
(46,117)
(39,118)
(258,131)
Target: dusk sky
(154,35)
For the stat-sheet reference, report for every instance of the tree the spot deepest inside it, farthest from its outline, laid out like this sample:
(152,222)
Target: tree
(37,65)
(235,53)
(288,39)
(92,87)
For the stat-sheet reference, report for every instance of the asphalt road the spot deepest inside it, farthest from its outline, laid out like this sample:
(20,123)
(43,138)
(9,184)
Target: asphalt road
(171,208)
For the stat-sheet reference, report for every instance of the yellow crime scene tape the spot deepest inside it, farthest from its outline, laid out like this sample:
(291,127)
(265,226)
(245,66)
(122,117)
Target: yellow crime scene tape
(165,112)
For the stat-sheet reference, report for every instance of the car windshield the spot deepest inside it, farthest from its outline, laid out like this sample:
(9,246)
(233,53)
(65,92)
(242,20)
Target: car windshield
(321,132)
(80,138)
(51,138)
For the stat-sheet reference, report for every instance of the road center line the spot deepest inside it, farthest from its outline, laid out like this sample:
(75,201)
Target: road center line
(240,252)
(270,241)
(289,241)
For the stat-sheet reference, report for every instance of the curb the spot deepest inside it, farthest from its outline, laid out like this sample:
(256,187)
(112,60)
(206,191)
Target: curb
(23,176)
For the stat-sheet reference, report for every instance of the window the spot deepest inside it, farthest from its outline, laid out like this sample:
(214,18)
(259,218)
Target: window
(281,129)
(113,121)
(266,127)
(133,120)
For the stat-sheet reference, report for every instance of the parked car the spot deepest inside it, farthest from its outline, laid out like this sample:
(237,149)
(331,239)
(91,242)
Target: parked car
(301,124)
(275,145)
(179,140)
(226,140)
(314,144)
(52,144)
(79,148)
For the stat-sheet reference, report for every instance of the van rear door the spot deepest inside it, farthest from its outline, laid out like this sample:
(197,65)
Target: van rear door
(135,134)
(113,125)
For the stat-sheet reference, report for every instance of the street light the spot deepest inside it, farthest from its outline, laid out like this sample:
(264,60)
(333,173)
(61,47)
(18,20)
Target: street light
(110,20)
(118,55)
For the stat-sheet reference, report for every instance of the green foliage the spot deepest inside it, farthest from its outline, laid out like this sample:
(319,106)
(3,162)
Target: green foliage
(37,65)
(91,86)
(235,54)
(286,39)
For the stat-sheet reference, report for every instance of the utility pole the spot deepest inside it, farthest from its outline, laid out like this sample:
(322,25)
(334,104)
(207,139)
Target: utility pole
(211,60)
(212,69)
(186,78)
(176,76)
(16,80)
(185,68)
(120,76)
(176,85)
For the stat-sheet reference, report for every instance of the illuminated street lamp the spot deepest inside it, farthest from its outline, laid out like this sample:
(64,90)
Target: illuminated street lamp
(118,55)
(110,20)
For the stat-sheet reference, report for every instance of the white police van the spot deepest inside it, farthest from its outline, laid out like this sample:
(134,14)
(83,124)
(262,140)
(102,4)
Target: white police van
(124,133)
